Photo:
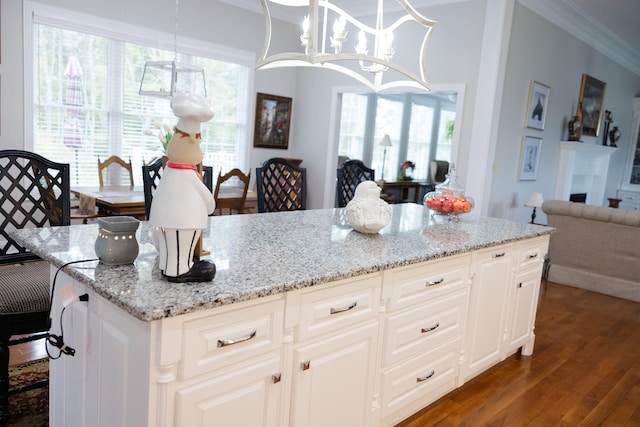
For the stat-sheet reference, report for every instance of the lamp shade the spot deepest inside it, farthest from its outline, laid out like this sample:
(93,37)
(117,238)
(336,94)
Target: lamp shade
(385,141)
(535,201)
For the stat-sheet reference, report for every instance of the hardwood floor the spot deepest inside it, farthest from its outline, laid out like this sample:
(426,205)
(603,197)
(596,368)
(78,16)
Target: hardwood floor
(585,370)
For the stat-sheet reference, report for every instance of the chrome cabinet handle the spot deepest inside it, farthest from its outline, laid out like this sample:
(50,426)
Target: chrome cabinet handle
(305,365)
(275,378)
(224,343)
(426,377)
(342,309)
(436,282)
(533,256)
(431,328)
(500,255)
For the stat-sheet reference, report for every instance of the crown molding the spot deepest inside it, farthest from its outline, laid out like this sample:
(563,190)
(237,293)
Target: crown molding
(569,17)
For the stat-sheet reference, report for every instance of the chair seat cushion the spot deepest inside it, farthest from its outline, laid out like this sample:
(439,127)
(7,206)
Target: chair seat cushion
(24,288)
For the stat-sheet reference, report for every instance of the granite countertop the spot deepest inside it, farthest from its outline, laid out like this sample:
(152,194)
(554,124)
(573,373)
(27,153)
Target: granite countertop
(264,254)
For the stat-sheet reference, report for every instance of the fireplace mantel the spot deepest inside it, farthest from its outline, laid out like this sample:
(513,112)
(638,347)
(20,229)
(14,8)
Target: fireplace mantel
(583,168)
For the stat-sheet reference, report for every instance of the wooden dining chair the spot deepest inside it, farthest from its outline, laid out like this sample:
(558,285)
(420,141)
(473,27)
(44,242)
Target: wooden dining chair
(114,175)
(232,204)
(349,175)
(281,186)
(35,193)
(151,174)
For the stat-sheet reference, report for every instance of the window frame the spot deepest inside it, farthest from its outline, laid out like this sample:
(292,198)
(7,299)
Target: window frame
(36,14)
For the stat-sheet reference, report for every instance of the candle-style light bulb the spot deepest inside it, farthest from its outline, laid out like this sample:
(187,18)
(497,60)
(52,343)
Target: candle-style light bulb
(304,37)
(361,48)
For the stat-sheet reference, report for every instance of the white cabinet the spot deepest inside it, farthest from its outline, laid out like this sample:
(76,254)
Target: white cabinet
(631,179)
(629,199)
(422,336)
(525,292)
(334,355)
(492,271)
(369,350)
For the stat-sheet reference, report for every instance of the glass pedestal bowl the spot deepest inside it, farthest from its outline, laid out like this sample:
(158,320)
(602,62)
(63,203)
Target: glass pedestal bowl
(448,199)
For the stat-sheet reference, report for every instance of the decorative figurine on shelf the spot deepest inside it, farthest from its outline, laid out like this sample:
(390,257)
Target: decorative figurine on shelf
(367,212)
(614,136)
(575,129)
(607,122)
(182,203)
(575,125)
(406,169)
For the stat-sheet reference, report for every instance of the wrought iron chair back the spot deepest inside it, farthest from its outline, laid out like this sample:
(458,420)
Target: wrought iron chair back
(349,175)
(280,186)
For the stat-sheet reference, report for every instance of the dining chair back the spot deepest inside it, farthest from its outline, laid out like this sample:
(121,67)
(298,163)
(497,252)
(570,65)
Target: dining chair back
(280,186)
(207,177)
(112,175)
(35,193)
(240,183)
(349,175)
(151,174)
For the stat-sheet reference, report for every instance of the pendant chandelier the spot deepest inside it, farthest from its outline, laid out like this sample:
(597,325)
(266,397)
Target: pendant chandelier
(350,47)
(163,79)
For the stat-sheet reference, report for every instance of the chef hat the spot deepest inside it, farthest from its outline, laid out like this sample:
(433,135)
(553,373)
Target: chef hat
(191,110)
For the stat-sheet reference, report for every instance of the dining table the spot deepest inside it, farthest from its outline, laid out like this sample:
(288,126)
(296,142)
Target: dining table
(115,200)
(123,200)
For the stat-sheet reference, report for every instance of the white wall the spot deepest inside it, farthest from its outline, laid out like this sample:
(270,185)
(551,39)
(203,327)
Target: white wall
(545,53)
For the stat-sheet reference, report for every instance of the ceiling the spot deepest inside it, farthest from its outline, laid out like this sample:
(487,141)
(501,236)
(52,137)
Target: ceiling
(611,27)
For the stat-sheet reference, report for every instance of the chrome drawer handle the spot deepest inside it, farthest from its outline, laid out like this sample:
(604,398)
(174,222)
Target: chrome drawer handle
(342,309)
(500,255)
(431,328)
(436,282)
(224,343)
(426,377)
(533,256)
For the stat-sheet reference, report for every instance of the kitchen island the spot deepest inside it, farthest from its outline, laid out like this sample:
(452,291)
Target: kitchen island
(307,322)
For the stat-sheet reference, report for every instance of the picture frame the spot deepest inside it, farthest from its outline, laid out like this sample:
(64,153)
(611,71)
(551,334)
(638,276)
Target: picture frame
(591,99)
(537,105)
(273,120)
(529,158)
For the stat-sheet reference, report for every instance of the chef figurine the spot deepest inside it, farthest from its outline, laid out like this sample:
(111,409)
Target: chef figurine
(366,212)
(182,203)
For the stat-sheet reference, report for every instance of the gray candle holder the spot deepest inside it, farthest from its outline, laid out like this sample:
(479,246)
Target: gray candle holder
(116,243)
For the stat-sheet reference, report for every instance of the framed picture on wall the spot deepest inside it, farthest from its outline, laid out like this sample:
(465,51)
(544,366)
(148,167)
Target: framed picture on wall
(590,101)
(537,105)
(273,114)
(529,158)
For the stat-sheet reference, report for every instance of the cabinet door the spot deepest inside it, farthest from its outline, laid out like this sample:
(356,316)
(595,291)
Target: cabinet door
(523,312)
(248,395)
(333,379)
(492,269)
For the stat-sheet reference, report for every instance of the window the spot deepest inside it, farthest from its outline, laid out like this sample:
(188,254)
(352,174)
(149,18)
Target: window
(420,127)
(86,105)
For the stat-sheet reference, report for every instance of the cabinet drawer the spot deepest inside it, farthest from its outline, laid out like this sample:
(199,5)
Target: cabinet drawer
(629,196)
(419,329)
(326,310)
(531,253)
(417,284)
(417,382)
(213,342)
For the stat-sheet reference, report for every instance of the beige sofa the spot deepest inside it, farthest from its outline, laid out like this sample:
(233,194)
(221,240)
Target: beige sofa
(595,248)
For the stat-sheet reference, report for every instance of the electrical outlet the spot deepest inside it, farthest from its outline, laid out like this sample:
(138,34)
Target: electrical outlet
(68,295)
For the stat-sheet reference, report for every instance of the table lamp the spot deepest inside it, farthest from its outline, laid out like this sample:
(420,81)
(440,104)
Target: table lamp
(384,142)
(535,201)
